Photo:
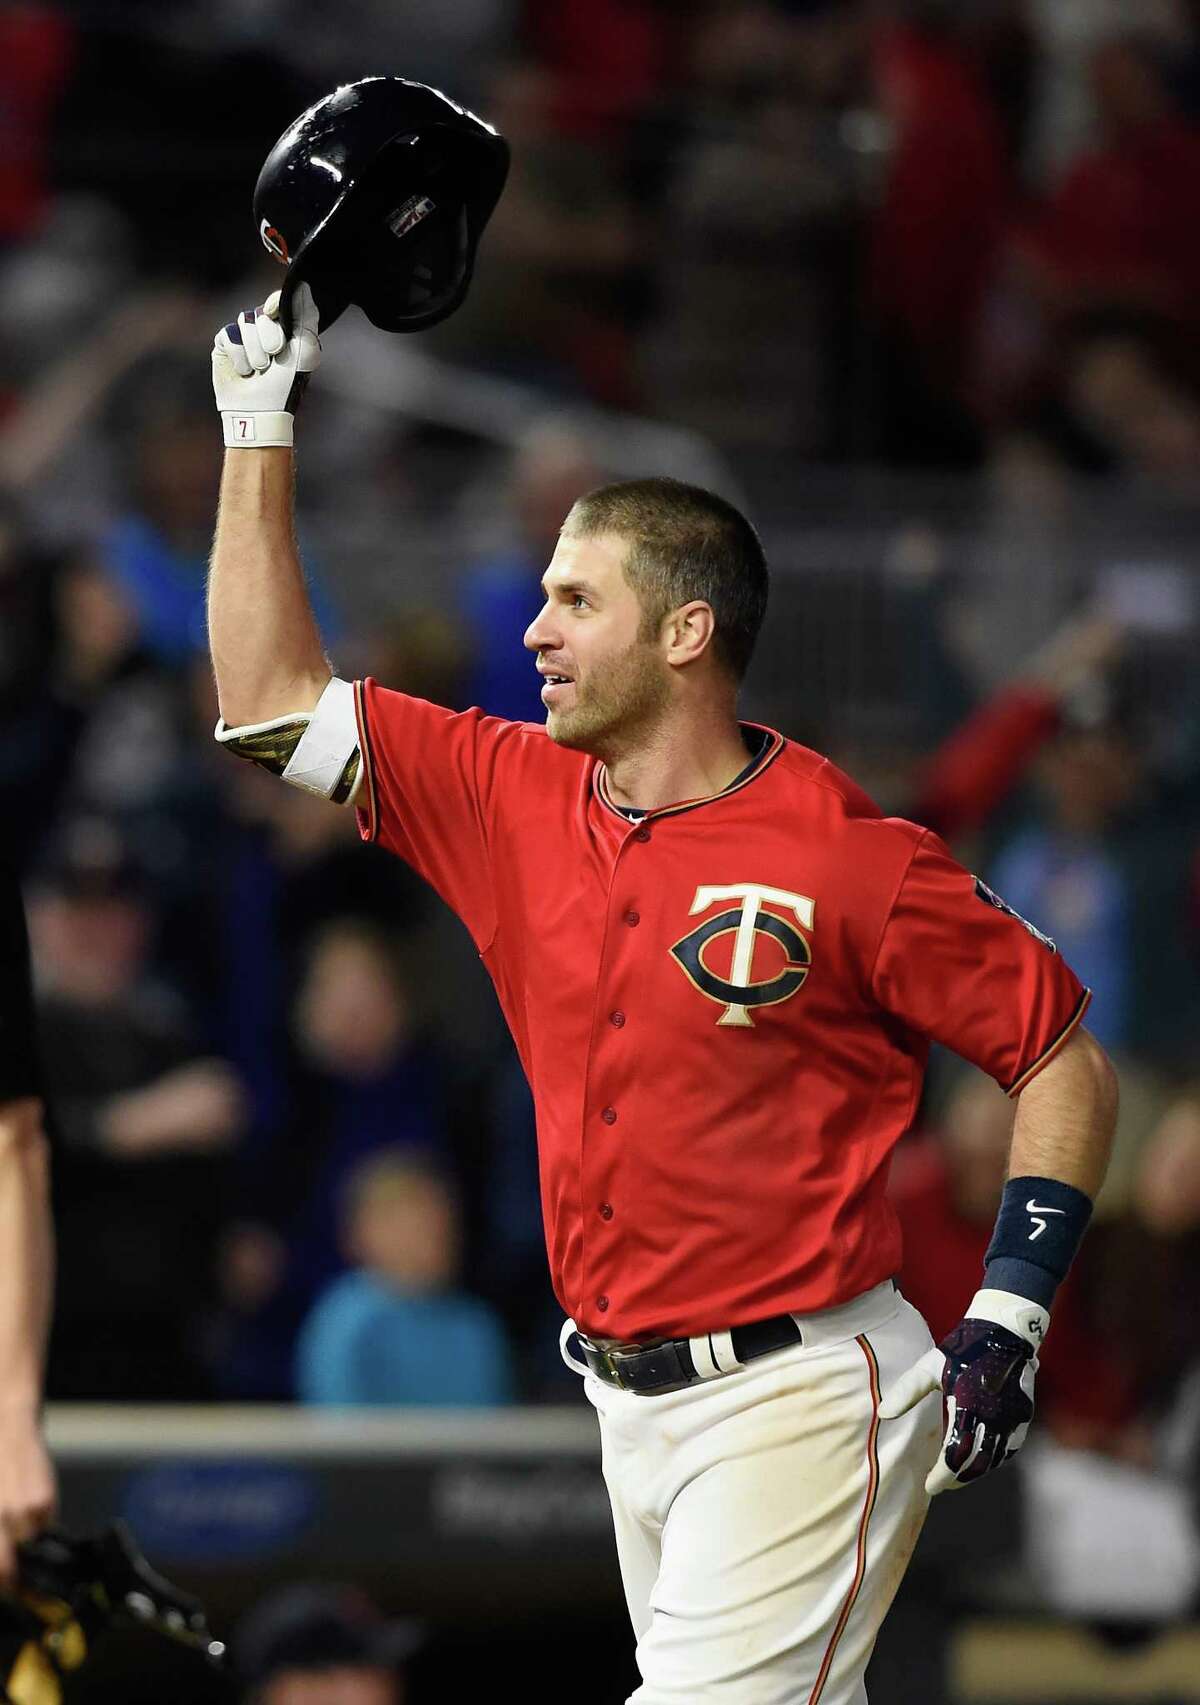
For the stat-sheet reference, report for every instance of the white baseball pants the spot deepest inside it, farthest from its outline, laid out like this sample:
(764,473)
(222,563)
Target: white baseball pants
(764,1519)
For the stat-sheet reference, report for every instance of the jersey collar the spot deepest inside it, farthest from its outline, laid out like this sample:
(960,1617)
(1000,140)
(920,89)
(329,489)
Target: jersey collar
(775,745)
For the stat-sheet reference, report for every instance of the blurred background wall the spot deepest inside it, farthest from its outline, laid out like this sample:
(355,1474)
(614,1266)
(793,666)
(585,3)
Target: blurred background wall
(917,283)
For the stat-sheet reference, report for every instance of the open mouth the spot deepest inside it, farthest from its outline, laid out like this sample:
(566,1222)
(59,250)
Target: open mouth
(553,687)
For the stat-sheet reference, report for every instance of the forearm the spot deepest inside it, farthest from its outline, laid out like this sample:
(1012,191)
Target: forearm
(266,649)
(27,1240)
(1062,1138)
(1066,1118)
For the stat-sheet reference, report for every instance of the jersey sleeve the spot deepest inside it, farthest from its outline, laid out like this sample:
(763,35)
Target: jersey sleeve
(959,966)
(429,779)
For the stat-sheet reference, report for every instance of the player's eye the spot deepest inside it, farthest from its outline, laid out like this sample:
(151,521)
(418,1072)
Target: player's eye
(578,601)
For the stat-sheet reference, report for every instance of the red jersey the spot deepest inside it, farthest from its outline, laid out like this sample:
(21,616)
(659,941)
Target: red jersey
(724,1010)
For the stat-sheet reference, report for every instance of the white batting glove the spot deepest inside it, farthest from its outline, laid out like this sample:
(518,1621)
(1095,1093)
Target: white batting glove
(985,1372)
(259,375)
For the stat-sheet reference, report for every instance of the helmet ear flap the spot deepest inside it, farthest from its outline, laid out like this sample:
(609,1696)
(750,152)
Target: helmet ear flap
(423,279)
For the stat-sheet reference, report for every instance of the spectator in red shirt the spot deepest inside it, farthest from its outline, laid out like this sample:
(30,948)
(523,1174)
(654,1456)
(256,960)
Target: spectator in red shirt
(947,196)
(36,52)
(974,770)
(608,58)
(1163,1248)
(1124,225)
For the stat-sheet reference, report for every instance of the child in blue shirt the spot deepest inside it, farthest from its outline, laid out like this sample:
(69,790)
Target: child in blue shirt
(394,1329)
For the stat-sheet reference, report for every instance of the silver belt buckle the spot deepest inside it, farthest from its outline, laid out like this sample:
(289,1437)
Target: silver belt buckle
(607,1361)
(610,1363)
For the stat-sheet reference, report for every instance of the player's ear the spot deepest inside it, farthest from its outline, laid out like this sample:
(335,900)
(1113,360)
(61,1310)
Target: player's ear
(689,632)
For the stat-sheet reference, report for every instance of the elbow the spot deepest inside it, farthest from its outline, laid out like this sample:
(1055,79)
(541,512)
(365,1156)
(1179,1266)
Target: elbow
(1095,1094)
(293,695)
(1067,1116)
(1106,1086)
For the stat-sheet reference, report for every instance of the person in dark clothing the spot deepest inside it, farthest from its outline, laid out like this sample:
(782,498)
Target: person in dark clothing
(143,1126)
(364,1076)
(323,1644)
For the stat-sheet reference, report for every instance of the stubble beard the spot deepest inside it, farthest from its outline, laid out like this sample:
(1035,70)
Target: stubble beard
(621,701)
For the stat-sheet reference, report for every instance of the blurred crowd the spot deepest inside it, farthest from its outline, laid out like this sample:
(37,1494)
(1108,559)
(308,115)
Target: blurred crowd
(957,242)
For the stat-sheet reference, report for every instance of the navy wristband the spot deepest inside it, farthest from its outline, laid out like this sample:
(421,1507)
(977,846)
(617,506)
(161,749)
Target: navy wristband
(1038,1230)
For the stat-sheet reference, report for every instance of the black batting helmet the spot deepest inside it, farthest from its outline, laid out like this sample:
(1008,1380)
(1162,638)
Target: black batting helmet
(378,194)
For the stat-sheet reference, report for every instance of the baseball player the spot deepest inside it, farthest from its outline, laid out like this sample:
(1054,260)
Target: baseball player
(722,969)
(27,1489)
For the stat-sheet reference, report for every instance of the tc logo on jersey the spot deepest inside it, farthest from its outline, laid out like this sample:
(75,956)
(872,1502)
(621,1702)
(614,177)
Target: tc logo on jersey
(752,928)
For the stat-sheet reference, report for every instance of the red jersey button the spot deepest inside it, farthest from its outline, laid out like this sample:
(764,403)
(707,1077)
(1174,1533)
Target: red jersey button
(616,1019)
(602,1303)
(642,834)
(606,1210)
(609,1115)
(633,919)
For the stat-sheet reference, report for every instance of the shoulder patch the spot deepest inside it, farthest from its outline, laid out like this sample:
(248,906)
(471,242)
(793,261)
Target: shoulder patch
(991,898)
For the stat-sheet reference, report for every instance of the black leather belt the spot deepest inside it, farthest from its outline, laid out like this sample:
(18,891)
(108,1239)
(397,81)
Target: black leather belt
(670,1366)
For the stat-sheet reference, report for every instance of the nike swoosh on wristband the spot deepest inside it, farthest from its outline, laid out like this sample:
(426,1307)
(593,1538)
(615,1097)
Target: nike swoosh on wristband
(1034,1210)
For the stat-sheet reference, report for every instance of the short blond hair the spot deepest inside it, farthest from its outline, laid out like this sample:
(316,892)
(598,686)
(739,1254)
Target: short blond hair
(393,1172)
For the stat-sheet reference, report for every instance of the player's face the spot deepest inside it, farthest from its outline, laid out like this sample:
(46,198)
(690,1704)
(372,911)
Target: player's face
(605,684)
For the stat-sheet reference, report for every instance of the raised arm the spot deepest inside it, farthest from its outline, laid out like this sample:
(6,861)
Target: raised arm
(267,654)
(281,706)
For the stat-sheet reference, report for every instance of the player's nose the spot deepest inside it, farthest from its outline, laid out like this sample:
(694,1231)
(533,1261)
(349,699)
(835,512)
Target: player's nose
(540,634)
